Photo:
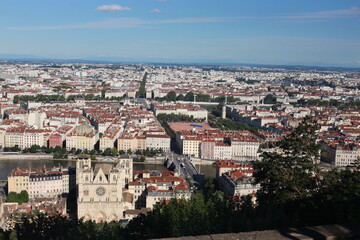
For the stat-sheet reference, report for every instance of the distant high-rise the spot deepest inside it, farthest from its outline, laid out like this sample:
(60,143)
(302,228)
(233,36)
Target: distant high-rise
(223,115)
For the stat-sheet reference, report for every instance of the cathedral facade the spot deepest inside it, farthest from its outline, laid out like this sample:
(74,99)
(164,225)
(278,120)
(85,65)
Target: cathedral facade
(102,196)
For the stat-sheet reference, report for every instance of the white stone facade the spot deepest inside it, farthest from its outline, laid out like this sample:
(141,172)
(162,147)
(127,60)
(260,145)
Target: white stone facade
(100,189)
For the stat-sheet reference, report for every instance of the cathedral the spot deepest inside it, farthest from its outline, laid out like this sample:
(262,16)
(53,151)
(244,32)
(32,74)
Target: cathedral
(102,196)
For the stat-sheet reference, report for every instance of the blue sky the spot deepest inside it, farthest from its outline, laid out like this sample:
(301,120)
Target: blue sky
(307,32)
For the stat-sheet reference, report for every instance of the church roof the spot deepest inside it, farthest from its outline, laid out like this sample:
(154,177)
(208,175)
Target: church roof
(104,166)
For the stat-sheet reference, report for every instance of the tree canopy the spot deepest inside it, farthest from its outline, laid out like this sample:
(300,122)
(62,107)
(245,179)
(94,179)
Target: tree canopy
(142,90)
(20,198)
(270,99)
(291,171)
(171,96)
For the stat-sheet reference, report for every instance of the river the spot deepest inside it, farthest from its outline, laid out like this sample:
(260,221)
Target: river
(207,170)
(7,165)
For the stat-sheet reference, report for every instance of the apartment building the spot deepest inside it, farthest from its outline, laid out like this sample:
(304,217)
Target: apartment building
(191,146)
(236,183)
(236,179)
(109,137)
(217,144)
(177,108)
(83,136)
(151,187)
(245,148)
(14,137)
(142,142)
(127,142)
(35,137)
(41,182)
(339,154)
(55,140)
(157,141)
(222,150)
(2,137)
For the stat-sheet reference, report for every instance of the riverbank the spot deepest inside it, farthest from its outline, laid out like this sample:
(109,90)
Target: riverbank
(149,163)
(7,166)
(39,157)
(28,157)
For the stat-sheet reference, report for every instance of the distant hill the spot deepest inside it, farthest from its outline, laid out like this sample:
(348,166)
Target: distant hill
(161,61)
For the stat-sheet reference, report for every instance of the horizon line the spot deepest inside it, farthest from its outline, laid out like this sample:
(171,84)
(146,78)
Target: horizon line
(175,62)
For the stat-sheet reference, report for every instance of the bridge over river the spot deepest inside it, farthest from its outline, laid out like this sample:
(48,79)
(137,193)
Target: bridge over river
(185,168)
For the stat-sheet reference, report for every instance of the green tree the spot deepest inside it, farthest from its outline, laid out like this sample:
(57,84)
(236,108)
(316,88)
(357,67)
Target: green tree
(340,195)
(34,148)
(142,90)
(57,149)
(56,155)
(171,96)
(24,196)
(180,97)
(93,152)
(107,152)
(20,198)
(2,235)
(113,151)
(208,187)
(291,172)
(203,98)
(12,149)
(270,99)
(78,151)
(89,96)
(13,235)
(189,96)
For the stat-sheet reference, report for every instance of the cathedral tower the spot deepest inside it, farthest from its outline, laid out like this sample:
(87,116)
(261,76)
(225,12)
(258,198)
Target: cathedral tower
(100,188)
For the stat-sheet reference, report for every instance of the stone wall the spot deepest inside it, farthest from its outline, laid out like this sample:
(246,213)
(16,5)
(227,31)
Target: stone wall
(333,232)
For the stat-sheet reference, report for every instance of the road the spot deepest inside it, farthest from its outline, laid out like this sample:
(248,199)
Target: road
(184,167)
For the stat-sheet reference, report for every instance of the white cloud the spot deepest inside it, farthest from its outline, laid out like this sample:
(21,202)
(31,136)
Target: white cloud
(114,23)
(203,20)
(155,10)
(341,13)
(112,8)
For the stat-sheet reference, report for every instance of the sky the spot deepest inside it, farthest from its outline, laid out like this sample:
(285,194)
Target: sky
(288,32)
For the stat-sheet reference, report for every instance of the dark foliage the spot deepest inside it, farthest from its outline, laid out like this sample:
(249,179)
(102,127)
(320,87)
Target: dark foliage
(20,198)
(142,91)
(228,124)
(270,99)
(333,103)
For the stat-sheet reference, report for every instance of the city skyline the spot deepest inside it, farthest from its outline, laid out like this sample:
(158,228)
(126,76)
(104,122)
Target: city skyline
(173,31)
